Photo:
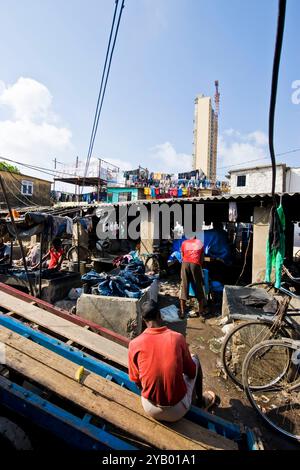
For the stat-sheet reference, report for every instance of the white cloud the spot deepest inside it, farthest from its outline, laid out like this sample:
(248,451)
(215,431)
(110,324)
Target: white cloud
(164,158)
(27,98)
(29,131)
(259,138)
(235,148)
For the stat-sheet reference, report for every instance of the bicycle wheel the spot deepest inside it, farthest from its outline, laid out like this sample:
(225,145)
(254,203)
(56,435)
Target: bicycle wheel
(267,286)
(84,254)
(152,264)
(271,379)
(240,340)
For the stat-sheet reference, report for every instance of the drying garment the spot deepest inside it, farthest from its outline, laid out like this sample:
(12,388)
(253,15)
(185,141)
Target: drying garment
(260,301)
(232,212)
(92,276)
(216,245)
(275,245)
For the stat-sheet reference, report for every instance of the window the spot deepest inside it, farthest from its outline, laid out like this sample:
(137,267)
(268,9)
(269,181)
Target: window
(241,180)
(125,196)
(27,188)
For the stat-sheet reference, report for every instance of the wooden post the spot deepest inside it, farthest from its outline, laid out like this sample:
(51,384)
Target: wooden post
(17,235)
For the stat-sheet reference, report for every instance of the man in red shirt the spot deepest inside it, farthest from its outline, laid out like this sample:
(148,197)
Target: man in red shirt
(161,365)
(55,254)
(192,252)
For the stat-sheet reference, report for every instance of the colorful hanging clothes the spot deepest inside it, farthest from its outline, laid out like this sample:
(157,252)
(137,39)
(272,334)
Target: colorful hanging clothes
(275,245)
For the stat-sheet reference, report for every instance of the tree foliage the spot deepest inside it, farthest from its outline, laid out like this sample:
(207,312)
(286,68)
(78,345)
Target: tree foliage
(8,167)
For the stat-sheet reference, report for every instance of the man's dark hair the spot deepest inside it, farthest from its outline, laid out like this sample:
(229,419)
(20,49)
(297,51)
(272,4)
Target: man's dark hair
(150,311)
(57,243)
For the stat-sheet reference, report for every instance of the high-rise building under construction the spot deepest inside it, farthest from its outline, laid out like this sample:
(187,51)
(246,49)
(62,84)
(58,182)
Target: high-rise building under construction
(206,135)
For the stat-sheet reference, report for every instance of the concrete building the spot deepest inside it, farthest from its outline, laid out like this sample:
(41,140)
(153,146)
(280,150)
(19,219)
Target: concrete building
(23,190)
(122,194)
(205,137)
(258,179)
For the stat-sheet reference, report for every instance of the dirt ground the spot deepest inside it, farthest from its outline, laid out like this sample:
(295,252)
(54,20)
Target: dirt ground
(202,338)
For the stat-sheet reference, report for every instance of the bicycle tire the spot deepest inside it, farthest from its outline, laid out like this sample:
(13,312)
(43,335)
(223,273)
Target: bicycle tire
(275,401)
(85,254)
(268,288)
(233,364)
(155,267)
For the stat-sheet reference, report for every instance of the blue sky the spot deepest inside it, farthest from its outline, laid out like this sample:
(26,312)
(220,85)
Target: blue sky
(168,51)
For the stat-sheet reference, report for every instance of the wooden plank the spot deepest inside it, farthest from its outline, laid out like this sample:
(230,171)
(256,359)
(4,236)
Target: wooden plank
(104,398)
(112,335)
(106,348)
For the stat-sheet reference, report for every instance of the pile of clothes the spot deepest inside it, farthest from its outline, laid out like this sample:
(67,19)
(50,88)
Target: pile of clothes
(128,282)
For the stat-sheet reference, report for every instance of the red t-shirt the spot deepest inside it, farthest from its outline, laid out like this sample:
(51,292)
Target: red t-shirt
(191,251)
(158,358)
(55,256)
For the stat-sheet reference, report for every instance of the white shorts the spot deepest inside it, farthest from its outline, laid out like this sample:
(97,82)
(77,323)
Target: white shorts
(175,412)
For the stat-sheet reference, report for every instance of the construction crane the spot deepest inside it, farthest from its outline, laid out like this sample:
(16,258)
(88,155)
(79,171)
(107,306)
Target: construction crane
(215,133)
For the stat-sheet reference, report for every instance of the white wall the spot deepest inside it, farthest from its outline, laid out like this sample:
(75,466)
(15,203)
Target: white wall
(258,181)
(293,180)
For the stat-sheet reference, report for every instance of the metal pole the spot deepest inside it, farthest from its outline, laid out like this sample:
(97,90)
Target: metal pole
(17,235)
(78,255)
(76,187)
(55,161)
(99,176)
(41,265)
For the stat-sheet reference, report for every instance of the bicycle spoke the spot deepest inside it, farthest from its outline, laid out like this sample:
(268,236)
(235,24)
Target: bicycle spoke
(278,398)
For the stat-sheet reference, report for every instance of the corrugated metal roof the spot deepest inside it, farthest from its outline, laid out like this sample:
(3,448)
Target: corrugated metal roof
(221,197)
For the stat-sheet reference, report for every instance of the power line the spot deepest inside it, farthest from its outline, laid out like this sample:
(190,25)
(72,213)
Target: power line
(259,159)
(102,90)
(47,171)
(18,189)
(103,74)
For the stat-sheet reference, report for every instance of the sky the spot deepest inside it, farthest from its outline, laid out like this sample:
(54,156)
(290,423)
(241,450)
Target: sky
(168,51)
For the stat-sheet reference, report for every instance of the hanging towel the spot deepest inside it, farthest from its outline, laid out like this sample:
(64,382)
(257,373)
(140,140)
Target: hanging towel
(275,244)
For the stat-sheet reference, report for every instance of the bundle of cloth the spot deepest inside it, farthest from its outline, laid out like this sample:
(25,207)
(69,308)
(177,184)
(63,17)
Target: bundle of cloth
(129,282)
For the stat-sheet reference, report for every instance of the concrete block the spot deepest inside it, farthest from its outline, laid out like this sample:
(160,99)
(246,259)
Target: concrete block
(119,314)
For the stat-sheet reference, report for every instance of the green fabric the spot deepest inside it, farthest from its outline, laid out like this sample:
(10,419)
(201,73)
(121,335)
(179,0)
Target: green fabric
(275,257)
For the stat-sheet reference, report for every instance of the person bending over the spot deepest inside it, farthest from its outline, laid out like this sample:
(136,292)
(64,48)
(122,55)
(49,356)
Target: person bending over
(192,252)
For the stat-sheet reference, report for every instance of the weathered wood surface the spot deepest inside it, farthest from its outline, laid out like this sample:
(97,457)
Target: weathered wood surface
(106,348)
(103,398)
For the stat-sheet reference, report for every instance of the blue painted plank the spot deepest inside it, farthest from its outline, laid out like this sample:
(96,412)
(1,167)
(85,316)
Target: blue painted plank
(196,415)
(68,427)
(71,353)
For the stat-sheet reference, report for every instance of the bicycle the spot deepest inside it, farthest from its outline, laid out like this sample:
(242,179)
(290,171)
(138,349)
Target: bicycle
(271,380)
(244,336)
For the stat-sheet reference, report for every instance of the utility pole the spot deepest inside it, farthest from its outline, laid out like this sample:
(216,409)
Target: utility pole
(76,166)
(99,178)
(55,161)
